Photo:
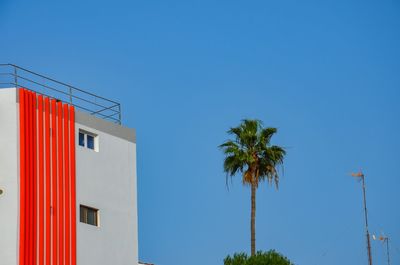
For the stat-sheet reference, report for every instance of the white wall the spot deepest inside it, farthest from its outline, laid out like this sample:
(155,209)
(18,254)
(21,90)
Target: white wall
(9,168)
(106,180)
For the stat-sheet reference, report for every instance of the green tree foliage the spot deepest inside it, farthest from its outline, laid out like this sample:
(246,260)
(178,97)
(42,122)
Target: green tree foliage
(260,258)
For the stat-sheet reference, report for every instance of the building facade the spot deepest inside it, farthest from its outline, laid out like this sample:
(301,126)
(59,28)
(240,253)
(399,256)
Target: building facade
(67,184)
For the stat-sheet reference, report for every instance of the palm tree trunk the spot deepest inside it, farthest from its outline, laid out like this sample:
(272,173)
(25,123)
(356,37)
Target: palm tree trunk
(253,219)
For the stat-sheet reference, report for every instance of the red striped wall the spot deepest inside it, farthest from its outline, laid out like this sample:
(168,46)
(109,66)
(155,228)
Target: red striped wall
(47,230)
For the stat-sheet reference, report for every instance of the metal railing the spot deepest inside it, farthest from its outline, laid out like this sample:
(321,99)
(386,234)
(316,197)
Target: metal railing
(14,76)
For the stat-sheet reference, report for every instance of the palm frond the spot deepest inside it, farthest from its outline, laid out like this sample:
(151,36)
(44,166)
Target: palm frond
(266,135)
(233,165)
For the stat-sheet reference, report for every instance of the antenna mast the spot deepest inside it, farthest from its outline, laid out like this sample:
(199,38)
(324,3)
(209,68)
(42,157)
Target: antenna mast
(361,176)
(384,239)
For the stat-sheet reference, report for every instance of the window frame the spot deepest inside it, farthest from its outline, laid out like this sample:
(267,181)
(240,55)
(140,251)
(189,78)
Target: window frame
(85,217)
(85,134)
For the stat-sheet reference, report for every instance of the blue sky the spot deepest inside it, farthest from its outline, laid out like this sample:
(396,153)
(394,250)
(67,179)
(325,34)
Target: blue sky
(325,73)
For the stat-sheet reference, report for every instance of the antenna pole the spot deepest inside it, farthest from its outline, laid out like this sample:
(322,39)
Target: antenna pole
(387,250)
(366,223)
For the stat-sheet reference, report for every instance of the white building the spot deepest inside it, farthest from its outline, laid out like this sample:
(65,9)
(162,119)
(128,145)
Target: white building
(67,184)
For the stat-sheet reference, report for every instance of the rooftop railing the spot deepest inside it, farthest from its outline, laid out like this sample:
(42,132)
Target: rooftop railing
(14,76)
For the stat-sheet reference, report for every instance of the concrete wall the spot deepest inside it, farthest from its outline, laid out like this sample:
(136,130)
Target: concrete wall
(9,170)
(106,180)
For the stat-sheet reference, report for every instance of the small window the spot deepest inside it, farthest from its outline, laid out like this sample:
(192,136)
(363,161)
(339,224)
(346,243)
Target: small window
(81,139)
(89,215)
(88,140)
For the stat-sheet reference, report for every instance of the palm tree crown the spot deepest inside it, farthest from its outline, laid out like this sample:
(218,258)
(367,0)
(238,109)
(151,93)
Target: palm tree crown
(251,153)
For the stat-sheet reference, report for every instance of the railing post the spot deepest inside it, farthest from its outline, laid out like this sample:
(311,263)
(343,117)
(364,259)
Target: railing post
(70,95)
(15,77)
(119,114)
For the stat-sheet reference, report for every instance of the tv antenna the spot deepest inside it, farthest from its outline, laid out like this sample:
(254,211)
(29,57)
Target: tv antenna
(361,177)
(384,239)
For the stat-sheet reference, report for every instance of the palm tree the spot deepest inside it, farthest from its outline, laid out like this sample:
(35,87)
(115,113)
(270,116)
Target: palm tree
(252,155)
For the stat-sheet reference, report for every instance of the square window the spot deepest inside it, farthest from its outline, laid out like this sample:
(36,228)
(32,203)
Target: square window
(90,141)
(89,215)
(81,139)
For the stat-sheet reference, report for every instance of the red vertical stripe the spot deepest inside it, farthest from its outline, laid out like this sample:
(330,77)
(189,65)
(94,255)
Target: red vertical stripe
(54,182)
(31,176)
(30,182)
(73,188)
(22,176)
(67,184)
(28,157)
(35,183)
(47,181)
(26,170)
(31,168)
(41,180)
(60,184)
(28,178)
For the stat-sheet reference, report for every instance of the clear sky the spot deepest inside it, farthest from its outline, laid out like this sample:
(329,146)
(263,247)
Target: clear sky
(325,73)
